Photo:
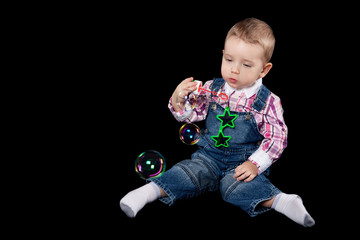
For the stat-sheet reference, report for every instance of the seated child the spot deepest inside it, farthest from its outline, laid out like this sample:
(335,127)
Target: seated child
(245,134)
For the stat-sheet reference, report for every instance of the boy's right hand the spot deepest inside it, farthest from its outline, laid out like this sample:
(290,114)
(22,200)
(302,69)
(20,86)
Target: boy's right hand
(181,91)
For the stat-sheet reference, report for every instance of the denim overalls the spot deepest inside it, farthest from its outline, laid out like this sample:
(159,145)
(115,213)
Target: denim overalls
(212,167)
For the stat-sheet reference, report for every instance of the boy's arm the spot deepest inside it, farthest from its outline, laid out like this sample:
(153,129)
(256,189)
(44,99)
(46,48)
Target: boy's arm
(274,131)
(198,113)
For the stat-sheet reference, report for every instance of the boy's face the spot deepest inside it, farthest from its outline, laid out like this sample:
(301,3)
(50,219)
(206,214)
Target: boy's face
(242,63)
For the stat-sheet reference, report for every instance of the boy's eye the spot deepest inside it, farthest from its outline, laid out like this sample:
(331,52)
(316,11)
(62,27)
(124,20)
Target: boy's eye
(227,59)
(246,65)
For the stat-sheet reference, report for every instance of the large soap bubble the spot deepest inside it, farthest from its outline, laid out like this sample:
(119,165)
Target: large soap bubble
(150,164)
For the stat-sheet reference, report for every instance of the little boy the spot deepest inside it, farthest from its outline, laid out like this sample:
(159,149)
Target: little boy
(245,134)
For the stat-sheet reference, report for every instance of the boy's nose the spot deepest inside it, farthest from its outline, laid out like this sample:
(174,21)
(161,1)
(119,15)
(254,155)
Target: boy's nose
(235,69)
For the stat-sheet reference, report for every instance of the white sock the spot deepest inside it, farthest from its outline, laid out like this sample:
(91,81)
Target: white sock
(292,206)
(135,200)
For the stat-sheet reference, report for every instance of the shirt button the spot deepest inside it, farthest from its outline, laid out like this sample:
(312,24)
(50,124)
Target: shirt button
(248,117)
(206,131)
(213,106)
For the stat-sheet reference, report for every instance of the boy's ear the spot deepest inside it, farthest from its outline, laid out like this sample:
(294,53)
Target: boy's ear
(266,69)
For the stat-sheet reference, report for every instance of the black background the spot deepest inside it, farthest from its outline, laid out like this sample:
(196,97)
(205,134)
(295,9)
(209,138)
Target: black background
(134,59)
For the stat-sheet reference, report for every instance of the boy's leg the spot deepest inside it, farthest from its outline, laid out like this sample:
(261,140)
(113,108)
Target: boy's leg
(260,195)
(249,196)
(162,193)
(186,179)
(135,200)
(292,206)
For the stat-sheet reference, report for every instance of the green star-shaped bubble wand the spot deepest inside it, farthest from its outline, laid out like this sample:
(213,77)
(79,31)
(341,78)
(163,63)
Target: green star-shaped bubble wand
(221,140)
(227,119)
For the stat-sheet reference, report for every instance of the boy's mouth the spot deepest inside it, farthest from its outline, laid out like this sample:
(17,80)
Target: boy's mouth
(232,80)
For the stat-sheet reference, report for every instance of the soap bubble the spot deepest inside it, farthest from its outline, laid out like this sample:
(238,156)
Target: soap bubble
(190,100)
(150,164)
(189,133)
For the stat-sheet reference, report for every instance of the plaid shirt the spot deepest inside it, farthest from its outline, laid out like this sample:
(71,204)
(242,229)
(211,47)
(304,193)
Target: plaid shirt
(270,120)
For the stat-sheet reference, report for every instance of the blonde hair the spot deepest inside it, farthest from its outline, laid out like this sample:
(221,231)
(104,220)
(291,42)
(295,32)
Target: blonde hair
(255,31)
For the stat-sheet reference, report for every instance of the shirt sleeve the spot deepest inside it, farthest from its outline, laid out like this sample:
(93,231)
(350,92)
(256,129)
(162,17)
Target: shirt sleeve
(199,112)
(274,130)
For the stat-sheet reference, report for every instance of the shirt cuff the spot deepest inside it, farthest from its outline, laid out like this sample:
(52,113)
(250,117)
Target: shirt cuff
(261,159)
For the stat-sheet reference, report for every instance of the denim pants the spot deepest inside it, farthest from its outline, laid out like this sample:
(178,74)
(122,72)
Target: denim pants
(212,167)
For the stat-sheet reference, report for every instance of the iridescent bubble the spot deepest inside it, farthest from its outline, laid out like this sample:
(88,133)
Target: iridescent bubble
(189,100)
(150,164)
(189,133)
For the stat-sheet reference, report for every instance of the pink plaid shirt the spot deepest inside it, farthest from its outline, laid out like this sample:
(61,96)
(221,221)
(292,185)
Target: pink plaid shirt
(270,120)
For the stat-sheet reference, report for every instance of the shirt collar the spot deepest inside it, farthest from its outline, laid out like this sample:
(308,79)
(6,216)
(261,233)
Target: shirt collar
(249,91)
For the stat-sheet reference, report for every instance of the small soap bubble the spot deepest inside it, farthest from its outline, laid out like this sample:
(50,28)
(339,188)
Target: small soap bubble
(192,99)
(189,133)
(150,164)
(190,102)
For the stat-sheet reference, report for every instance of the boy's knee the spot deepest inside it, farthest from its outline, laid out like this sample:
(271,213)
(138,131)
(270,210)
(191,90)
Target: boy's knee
(227,185)
(233,190)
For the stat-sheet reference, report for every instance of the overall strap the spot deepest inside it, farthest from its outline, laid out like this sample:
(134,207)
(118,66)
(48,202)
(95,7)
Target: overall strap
(217,84)
(261,97)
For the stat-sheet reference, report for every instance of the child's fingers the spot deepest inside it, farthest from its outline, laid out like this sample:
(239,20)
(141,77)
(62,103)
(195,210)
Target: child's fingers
(250,178)
(238,172)
(189,84)
(183,93)
(187,80)
(246,176)
(185,87)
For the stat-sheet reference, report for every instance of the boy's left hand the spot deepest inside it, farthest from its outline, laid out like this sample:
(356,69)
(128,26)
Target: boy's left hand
(246,171)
